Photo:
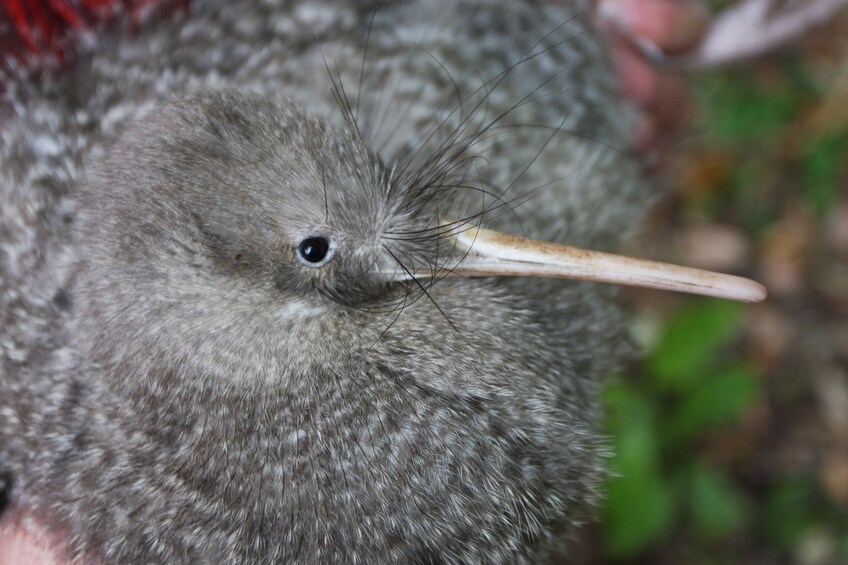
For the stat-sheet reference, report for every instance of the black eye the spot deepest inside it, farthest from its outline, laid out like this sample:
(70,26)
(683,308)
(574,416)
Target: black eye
(314,251)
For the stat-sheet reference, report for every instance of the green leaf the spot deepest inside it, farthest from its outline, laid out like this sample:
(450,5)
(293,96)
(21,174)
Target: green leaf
(639,503)
(788,513)
(843,548)
(822,164)
(638,513)
(716,505)
(631,423)
(717,401)
(690,342)
(747,110)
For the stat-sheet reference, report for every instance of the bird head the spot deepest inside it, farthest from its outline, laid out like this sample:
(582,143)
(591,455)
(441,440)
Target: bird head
(228,227)
(223,229)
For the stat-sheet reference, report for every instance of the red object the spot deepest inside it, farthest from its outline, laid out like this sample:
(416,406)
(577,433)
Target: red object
(48,27)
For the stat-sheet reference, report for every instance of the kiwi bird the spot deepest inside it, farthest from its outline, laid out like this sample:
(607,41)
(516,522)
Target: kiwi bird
(252,309)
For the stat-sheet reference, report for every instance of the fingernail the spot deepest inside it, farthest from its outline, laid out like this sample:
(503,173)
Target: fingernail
(625,18)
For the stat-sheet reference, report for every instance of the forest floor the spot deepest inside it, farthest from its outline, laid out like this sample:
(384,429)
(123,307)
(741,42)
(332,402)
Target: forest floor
(731,430)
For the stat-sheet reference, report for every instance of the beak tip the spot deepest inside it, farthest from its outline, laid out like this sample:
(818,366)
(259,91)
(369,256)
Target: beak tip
(758,293)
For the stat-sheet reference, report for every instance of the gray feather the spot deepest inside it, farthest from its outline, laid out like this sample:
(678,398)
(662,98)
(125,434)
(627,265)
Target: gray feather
(175,386)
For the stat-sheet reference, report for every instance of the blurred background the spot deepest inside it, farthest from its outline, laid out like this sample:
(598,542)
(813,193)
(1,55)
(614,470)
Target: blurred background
(730,431)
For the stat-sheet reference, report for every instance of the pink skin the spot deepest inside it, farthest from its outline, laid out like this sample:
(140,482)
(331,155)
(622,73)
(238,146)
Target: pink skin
(22,546)
(671,25)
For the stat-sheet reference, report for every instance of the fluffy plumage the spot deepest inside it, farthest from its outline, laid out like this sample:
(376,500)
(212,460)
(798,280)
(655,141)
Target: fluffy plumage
(177,386)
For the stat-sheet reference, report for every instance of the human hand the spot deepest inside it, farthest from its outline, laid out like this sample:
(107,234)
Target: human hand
(671,26)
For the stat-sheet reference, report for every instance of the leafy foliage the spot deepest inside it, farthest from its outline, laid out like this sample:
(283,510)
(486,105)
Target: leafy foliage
(690,481)
(688,392)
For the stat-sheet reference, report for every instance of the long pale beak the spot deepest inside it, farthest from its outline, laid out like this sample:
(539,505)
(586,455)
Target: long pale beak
(489,253)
